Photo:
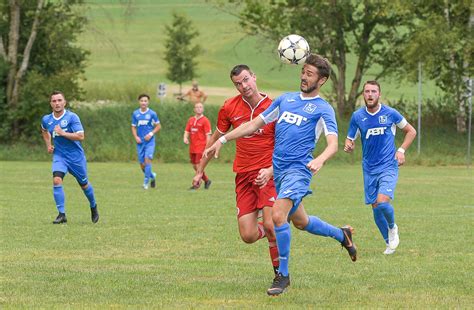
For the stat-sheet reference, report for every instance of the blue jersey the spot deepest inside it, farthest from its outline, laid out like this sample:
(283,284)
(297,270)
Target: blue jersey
(300,121)
(69,122)
(377,131)
(144,122)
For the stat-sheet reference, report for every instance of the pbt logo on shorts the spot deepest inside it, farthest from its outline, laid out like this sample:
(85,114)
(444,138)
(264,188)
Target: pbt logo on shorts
(375,132)
(291,118)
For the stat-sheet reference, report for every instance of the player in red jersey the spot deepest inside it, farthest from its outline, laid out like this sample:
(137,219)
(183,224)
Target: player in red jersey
(254,186)
(197,134)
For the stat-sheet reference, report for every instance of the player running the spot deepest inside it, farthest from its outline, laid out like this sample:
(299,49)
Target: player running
(299,118)
(62,133)
(376,124)
(197,133)
(145,124)
(254,186)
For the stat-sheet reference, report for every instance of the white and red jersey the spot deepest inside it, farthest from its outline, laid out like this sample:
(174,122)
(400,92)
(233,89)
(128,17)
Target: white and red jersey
(198,129)
(253,151)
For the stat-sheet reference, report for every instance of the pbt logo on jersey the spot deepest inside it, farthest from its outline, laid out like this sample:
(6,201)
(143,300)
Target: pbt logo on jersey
(142,122)
(375,132)
(291,118)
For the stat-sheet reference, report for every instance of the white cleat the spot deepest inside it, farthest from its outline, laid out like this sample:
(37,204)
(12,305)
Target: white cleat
(145,186)
(388,251)
(393,239)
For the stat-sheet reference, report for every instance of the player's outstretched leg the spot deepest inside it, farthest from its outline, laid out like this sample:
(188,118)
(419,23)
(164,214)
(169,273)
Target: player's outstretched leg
(58,193)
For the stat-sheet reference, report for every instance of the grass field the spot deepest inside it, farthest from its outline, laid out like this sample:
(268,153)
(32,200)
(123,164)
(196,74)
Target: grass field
(172,248)
(127,48)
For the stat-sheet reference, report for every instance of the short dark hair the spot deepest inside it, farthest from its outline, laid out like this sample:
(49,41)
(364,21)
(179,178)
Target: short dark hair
(238,70)
(372,82)
(143,95)
(56,92)
(322,64)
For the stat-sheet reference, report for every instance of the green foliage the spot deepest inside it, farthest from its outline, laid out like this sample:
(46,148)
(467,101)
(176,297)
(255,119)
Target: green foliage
(170,248)
(56,63)
(180,55)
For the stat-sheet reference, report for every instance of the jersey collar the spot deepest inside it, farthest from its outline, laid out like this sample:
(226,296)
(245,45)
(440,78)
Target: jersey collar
(309,98)
(258,103)
(372,114)
(58,118)
(140,110)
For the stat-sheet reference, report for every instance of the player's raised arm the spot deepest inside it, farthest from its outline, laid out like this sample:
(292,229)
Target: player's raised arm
(241,131)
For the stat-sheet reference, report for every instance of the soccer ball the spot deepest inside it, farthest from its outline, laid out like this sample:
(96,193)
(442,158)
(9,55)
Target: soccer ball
(293,49)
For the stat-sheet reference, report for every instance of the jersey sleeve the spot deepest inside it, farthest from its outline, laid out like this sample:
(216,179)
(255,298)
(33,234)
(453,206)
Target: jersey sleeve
(188,126)
(207,126)
(398,119)
(353,130)
(134,120)
(329,123)
(76,125)
(154,118)
(223,122)
(272,112)
(44,123)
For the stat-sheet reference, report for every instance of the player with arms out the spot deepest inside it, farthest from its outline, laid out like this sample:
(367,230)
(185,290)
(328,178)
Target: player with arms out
(376,124)
(300,117)
(197,134)
(254,186)
(62,133)
(145,124)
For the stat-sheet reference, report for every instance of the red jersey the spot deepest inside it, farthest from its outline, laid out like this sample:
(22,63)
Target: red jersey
(198,129)
(253,151)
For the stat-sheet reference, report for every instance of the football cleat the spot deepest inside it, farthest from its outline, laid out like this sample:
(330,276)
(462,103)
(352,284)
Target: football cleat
(279,285)
(94,214)
(207,184)
(145,186)
(153,181)
(347,242)
(61,218)
(393,238)
(388,251)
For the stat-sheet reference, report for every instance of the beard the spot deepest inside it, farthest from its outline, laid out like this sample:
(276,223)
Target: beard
(309,88)
(372,105)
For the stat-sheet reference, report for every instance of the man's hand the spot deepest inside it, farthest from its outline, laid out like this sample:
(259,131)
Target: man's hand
(186,140)
(400,157)
(148,137)
(138,140)
(315,165)
(197,179)
(213,149)
(50,149)
(264,175)
(59,131)
(349,146)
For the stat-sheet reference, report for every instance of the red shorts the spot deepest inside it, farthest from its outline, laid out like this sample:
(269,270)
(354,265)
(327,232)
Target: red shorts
(195,158)
(251,197)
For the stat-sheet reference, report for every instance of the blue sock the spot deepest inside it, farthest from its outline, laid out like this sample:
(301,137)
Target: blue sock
(89,192)
(388,213)
(318,227)
(148,174)
(283,238)
(59,198)
(381,222)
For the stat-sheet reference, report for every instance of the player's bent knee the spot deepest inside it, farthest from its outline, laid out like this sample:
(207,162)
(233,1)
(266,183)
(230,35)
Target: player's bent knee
(249,238)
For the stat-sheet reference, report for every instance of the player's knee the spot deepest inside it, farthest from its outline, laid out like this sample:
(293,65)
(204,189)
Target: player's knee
(299,225)
(278,218)
(57,181)
(248,238)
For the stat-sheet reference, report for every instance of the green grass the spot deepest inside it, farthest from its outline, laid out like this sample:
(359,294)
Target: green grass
(171,248)
(127,52)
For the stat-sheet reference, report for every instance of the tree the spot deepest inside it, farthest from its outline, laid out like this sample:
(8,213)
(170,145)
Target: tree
(38,55)
(180,55)
(367,29)
(441,38)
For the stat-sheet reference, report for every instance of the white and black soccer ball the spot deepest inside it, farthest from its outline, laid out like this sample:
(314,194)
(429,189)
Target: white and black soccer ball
(293,49)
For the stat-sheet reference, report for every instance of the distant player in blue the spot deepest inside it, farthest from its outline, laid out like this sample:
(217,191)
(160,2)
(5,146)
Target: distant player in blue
(62,132)
(376,125)
(145,124)
(300,118)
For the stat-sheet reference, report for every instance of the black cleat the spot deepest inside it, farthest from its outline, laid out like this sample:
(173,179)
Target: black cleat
(94,214)
(61,218)
(279,285)
(153,181)
(193,188)
(207,184)
(347,243)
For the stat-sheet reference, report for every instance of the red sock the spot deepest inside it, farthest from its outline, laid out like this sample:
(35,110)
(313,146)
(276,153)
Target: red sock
(272,247)
(204,177)
(261,230)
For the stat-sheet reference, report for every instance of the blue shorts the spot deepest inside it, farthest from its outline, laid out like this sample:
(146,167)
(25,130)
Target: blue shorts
(146,150)
(77,168)
(293,185)
(381,183)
